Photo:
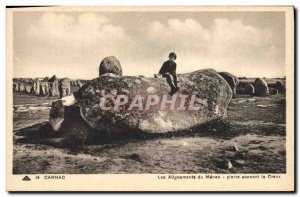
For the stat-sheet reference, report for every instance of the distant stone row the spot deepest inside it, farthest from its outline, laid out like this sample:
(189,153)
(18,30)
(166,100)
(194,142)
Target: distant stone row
(47,87)
(254,86)
(261,87)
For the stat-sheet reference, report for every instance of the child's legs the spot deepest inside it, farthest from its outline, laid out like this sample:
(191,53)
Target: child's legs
(170,80)
(175,80)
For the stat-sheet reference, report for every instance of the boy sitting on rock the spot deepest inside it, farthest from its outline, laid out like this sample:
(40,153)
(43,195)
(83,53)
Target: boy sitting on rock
(168,70)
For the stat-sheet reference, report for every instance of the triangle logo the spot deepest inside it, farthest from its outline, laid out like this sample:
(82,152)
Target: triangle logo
(26,178)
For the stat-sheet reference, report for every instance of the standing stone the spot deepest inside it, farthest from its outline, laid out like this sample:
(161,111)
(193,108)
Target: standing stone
(280,86)
(16,87)
(22,87)
(28,88)
(110,65)
(261,87)
(232,80)
(273,91)
(34,86)
(249,89)
(51,89)
(55,87)
(38,87)
(67,123)
(47,88)
(44,88)
(64,87)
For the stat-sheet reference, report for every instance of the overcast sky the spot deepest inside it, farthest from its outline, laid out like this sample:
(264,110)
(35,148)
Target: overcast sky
(72,44)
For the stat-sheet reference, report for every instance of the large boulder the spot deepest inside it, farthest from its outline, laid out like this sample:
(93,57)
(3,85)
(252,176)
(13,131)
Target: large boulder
(210,93)
(57,114)
(261,87)
(278,85)
(249,89)
(232,80)
(110,65)
(273,91)
(67,123)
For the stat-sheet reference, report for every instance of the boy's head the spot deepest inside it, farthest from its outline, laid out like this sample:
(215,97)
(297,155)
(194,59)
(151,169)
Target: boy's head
(172,56)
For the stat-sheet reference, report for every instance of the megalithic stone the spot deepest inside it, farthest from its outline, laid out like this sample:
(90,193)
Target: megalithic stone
(277,85)
(261,87)
(43,88)
(27,87)
(16,87)
(210,91)
(58,111)
(55,88)
(249,89)
(110,65)
(232,80)
(64,87)
(47,89)
(38,87)
(34,86)
(22,87)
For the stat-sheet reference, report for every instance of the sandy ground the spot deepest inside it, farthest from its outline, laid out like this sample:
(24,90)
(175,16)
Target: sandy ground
(250,140)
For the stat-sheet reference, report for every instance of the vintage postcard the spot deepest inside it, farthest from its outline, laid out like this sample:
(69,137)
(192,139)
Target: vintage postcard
(150,99)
